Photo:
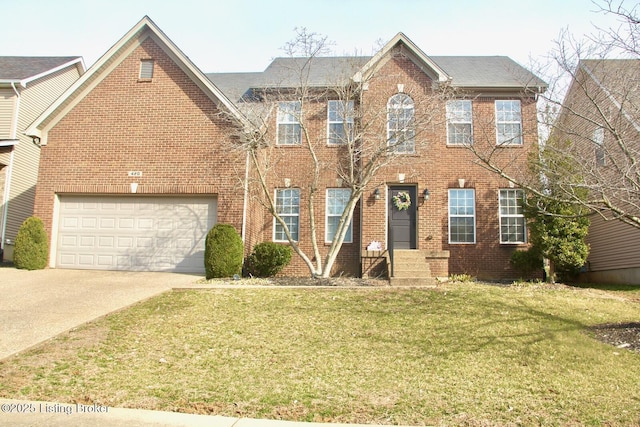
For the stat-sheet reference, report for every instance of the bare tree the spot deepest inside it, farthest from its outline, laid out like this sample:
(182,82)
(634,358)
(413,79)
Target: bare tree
(289,145)
(590,122)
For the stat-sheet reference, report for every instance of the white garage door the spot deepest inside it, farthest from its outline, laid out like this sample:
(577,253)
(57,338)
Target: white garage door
(134,233)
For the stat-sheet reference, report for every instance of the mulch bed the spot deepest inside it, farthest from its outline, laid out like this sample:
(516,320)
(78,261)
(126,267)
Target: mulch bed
(620,335)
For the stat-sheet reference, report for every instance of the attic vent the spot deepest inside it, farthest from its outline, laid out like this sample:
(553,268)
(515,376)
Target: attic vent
(146,69)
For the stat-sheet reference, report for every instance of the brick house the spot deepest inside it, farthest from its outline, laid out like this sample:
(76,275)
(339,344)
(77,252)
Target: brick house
(27,86)
(145,115)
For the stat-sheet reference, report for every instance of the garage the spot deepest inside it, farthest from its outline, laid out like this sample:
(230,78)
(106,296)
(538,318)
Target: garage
(134,233)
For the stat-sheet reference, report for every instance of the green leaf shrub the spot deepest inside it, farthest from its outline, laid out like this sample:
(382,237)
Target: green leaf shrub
(268,259)
(223,252)
(32,245)
(527,261)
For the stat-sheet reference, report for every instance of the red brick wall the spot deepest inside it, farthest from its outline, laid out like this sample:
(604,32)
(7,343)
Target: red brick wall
(438,167)
(295,164)
(167,128)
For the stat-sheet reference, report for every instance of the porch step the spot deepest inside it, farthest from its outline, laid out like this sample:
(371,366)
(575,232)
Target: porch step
(411,268)
(407,281)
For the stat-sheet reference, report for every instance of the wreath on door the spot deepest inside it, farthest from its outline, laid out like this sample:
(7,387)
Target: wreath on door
(402,200)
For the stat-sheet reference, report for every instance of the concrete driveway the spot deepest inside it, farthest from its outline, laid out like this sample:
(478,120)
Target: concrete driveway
(38,305)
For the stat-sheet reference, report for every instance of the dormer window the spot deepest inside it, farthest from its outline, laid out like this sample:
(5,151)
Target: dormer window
(146,69)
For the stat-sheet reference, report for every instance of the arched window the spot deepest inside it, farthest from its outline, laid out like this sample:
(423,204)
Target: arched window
(401,124)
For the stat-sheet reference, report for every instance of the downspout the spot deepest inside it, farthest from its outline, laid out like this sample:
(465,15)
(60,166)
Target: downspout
(9,174)
(246,196)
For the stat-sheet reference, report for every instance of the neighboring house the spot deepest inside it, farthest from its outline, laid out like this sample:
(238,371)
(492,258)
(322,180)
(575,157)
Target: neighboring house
(136,165)
(601,117)
(28,85)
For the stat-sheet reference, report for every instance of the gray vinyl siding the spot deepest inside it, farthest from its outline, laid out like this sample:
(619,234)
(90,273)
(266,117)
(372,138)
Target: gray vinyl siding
(34,99)
(7,108)
(614,245)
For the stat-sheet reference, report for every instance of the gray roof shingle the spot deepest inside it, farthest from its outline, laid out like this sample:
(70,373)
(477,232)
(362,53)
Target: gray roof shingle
(22,67)
(465,71)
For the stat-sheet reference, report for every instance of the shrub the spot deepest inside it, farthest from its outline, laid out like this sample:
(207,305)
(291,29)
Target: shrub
(527,261)
(32,245)
(223,252)
(268,259)
(464,278)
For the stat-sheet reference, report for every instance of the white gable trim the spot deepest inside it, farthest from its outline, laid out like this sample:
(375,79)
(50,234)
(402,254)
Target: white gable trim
(111,59)
(372,64)
(611,97)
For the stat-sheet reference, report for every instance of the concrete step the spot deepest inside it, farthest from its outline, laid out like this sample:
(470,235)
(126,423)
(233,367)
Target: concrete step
(417,274)
(410,281)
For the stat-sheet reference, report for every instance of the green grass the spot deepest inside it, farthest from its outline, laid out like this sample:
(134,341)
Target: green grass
(465,354)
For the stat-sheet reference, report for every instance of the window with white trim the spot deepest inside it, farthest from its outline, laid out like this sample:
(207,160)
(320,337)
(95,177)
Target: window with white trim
(146,69)
(289,129)
(288,208)
(462,216)
(459,122)
(598,140)
(337,199)
(339,121)
(508,122)
(401,124)
(513,228)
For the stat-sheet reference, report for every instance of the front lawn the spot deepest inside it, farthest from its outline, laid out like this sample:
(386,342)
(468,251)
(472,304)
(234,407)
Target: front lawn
(467,354)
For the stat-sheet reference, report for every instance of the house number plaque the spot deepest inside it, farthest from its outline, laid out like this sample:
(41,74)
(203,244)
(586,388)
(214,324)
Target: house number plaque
(135,173)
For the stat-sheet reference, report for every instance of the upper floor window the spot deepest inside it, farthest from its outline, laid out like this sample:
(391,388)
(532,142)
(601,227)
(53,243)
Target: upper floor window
(598,140)
(288,208)
(462,216)
(512,222)
(146,69)
(289,129)
(459,122)
(339,121)
(337,199)
(401,124)
(508,122)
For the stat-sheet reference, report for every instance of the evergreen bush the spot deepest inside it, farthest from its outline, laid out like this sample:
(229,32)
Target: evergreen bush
(223,252)
(268,259)
(527,261)
(32,245)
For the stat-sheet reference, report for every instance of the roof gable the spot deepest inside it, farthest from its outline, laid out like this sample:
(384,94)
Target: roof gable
(144,29)
(619,80)
(413,52)
(24,69)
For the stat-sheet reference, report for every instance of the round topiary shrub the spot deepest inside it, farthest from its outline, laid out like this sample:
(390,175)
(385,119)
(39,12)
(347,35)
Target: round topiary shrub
(223,252)
(32,245)
(268,259)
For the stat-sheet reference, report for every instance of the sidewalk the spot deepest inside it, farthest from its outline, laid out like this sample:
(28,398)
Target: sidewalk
(24,413)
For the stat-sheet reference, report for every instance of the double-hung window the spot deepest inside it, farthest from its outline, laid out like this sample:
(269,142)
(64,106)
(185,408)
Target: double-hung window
(512,222)
(289,129)
(339,121)
(337,199)
(598,140)
(288,208)
(459,122)
(508,122)
(462,216)
(401,124)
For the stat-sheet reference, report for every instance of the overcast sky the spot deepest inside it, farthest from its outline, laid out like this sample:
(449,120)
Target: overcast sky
(245,35)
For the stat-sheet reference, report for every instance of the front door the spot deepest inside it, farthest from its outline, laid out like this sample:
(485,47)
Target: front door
(402,216)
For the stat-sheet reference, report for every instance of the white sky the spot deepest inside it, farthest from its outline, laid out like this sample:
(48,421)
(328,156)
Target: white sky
(245,35)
